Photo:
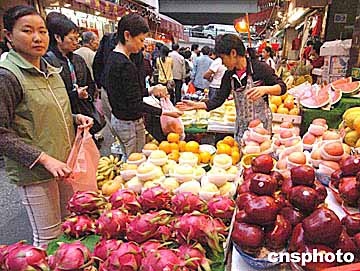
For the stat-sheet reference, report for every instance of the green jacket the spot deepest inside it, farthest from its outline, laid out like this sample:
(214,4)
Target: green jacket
(43,118)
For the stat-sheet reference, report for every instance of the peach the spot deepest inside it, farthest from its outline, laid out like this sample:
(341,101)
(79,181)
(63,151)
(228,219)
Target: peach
(286,134)
(261,131)
(309,139)
(334,149)
(297,158)
(315,155)
(330,135)
(292,142)
(265,145)
(281,164)
(319,121)
(254,123)
(286,124)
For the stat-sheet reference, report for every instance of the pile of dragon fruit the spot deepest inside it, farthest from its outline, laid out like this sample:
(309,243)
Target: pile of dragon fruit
(151,231)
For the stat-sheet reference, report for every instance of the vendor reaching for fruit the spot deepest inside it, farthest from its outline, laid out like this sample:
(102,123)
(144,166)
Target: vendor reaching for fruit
(250,81)
(124,87)
(36,124)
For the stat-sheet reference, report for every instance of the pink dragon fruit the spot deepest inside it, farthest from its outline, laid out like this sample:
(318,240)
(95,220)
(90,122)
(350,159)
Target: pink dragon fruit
(155,198)
(103,249)
(162,259)
(144,227)
(163,233)
(86,203)
(221,227)
(112,224)
(26,257)
(74,256)
(126,258)
(186,202)
(126,199)
(221,207)
(78,226)
(4,252)
(151,245)
(194,257)
(197,227)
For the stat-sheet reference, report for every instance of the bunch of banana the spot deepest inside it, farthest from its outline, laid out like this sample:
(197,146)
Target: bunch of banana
(108,168)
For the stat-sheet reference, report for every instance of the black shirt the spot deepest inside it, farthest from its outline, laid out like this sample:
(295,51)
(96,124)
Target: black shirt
(260,71)
(125,89)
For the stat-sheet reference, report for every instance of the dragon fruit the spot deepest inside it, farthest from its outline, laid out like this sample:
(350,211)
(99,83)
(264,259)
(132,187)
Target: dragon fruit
(221,227)
(126,258)
(126,199)
(74,256)
(26,257)
(145,226)
(186,202)
(152,245)
(194,257)
(86,203)
(163,233)
(103,249)
(112,224)
(155,198)
(198,227)
(221,207)
(4,252)
(78,226)
(162,259)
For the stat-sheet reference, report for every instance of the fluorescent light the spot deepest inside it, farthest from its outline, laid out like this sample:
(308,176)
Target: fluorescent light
(296,15)
(67,5)
(299,26)
(97,13)
(118,18)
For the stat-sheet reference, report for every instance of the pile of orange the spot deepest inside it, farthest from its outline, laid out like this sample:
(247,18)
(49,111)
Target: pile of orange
(230,147)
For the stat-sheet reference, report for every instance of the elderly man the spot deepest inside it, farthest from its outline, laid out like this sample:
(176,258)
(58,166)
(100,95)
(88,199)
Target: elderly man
(90,43)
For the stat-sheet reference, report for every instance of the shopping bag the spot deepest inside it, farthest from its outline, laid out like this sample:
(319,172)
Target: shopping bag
(191,88)
(170,124)
(83,161)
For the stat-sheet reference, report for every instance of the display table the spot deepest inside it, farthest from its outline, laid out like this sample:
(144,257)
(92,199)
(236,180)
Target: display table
(333,116)
(195,130)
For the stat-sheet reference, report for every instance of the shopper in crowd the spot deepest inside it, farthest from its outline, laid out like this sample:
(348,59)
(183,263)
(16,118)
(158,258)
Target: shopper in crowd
(164,64)
(201,65)
(195,52)
(307,51)
(242,79)
(80,87)
(268,55)
(5,47)
(147,64)
(178,70)
(156,53)
(316,60)
(36,124)
(89,45)
(124,85)
(188,65)
(214,75)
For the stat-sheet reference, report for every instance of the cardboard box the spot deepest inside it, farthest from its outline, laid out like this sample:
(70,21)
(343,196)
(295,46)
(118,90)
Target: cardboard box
(355,73)
(336,48)
(339,65)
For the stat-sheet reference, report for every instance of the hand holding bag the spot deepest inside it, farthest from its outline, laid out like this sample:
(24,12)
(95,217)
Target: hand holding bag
(170,124)
(83,161)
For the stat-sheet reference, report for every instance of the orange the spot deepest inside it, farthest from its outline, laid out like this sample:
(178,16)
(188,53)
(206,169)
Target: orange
(165,146)
(294,111)
(276,100)
(289,103)
(229,140)
(182,146)
(174,155)
(273,108)
(236,144)
(174,146)
(173,138)
(224,148)
(205,157)
(235,156)
(219,142)
(192,146)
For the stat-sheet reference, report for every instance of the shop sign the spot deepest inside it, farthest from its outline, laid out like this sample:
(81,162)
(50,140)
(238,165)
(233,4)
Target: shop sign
(340,18)
(312,3)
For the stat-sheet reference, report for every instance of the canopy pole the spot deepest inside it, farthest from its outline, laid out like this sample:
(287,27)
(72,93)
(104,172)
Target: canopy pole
(248,28)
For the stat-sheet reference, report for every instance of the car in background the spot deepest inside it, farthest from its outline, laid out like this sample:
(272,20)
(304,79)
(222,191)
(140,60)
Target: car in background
(212,30)
(197,31)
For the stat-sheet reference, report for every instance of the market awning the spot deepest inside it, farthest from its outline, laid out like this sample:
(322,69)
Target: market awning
(171,26)
(259,19)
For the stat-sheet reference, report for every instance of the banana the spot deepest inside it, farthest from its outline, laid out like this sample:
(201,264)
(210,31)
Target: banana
(119,163)
(112,175)
(105,169)
(106,173)
(116,160)
(100,178)
(112,158)
(105,158)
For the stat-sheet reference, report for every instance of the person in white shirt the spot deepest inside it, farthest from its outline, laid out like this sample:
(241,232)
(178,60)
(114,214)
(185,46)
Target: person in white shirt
(195,52)
(268,55)
(214,75)
(90,43)
(178,70)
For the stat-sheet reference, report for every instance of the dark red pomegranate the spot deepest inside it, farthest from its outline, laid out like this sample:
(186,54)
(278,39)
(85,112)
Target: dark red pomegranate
(304,198)
(352,223)
(261,210)
(280,233)
(286,186)
(350,166)
(336,176)
(345,243)
(292,215)
(278,177)
(262,164)
(303,175)
(246,235)
(243,198)
(262,184)
(321,190)
(297,240)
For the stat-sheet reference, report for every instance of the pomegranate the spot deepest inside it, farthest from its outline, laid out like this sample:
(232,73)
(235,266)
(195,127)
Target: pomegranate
(278,177)
(261,210)
(244,187)
(352,223)
(348,190)
(297,240)
(292,215)
(286,186)
(320,190)
(247,173)
(280,233)
(243,198)
(246,235)
(262,184)
(221,207)
(350,166)
(314,225)
(304,198)
(281,201)
(345,243)
(303,175)
(336,176)
(317,266)
(262,164)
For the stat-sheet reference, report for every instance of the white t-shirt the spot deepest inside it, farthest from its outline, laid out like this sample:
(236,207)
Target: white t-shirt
(271,63)
(219,69)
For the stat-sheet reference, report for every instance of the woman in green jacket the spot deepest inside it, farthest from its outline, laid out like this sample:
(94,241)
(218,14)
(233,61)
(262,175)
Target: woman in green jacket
(36,124)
